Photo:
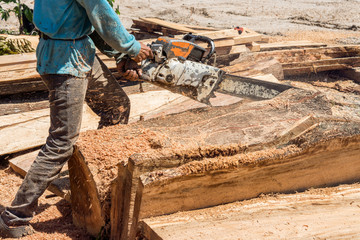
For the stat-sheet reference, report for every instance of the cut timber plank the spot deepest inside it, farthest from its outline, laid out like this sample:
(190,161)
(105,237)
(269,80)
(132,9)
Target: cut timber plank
(310,54)
(13,108)
(60,186)
(195,185)
(143,107)
(320,65)
(199,27)
(292,216)
(219,43)
(86,208)
(171,25)
(28,130)
(254,47)
(121,193)
(248,38)
(289,45)
(231,50)
(352,61)
(221,34)
(314,69)
(250,68)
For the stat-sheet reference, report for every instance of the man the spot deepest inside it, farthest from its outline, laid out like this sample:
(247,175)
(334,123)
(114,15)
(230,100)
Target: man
(73,73)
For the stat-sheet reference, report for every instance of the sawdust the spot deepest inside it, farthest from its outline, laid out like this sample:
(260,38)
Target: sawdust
(53,217)
(106,148)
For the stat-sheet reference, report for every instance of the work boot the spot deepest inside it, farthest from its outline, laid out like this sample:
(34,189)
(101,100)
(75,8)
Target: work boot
(14,232)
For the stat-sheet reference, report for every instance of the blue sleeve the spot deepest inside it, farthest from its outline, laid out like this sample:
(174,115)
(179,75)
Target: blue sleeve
(109,26)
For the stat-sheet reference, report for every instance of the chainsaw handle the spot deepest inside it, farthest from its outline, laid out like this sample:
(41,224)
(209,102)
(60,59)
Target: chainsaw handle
(191,38)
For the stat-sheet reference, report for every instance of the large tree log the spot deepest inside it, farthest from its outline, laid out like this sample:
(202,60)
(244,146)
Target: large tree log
(222,141)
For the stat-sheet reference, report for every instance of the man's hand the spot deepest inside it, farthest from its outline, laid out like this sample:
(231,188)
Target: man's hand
(129,69)
(145,52)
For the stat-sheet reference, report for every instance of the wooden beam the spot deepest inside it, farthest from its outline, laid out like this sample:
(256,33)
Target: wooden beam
(248,38)
(166,24)
(320,65)
(60,186)
(13,108)
(221,34)
(24,131)
(302,215)
(289,45)
(120,203)
(307,54)
(250,68)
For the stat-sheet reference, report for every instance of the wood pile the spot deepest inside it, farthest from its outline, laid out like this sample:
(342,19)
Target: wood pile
(188,156)
(18,72)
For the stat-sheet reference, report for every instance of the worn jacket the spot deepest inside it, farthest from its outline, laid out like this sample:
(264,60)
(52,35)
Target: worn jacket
(74,19)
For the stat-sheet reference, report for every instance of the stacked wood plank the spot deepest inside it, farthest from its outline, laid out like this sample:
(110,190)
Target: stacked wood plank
(155,25)
(18,72)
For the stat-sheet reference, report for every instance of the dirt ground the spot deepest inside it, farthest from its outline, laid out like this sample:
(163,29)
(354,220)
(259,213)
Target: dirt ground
(271,17)
(320,20)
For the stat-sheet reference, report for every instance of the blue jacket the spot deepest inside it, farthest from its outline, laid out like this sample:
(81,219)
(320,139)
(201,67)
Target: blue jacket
(73,19)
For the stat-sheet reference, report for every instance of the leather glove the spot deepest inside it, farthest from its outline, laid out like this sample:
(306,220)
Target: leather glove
(129,69)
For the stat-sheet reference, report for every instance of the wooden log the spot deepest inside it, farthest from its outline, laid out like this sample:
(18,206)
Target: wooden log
(296,123)
(195,185)
(301,215)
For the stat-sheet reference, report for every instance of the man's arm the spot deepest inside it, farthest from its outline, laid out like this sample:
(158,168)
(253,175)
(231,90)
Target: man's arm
(109,27)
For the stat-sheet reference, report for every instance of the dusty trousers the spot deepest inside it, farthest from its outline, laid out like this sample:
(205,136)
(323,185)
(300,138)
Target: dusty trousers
(67,93)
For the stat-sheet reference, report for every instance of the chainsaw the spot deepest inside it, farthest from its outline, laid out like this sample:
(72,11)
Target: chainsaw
(180,66)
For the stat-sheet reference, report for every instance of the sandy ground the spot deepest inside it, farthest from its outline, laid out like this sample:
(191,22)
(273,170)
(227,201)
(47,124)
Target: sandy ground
(296,19)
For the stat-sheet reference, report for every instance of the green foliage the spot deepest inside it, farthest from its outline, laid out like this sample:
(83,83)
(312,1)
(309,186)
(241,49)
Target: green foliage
(117,10)
(19,10)
(14,46)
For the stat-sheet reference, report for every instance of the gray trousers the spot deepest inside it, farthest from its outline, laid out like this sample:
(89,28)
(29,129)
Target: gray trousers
(66,95)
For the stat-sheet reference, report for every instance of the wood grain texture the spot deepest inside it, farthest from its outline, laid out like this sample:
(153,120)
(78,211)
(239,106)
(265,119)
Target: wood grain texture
(27,130)
(326,213)
(86,208)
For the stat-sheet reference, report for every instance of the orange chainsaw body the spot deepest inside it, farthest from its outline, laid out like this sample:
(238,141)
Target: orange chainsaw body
(175,48)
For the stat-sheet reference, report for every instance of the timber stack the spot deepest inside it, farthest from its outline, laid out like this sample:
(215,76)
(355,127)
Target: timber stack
(188,156)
